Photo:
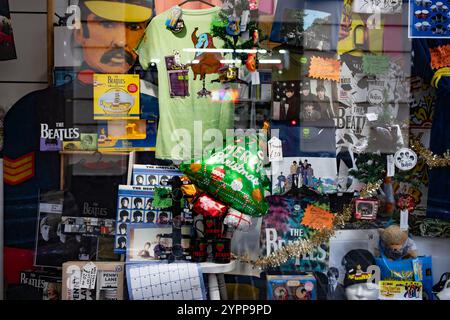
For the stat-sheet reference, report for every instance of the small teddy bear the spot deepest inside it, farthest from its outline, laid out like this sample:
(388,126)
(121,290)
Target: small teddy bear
(395,243)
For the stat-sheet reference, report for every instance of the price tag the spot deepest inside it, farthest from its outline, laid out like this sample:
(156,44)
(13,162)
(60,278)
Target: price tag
(88,276)
(275,149)
(255,78)
(404,214)
(372,116)
(390,166)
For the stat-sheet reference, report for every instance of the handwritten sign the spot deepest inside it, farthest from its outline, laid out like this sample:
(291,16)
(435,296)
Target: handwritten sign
(275,149)
(317,218)
(324,68)
(88,276)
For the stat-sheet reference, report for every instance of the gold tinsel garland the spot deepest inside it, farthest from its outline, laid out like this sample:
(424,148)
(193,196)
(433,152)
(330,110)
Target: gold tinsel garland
(431,159)
(300,247)
(370,189)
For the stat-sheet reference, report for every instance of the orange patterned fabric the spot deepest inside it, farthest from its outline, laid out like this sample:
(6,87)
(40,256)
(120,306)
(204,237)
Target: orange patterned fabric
(440,57)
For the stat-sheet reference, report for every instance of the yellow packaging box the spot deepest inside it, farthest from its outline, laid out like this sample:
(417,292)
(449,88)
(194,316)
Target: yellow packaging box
(116,96)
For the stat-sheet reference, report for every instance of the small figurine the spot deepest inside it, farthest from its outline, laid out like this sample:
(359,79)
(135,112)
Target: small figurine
(395,243)
(229,74)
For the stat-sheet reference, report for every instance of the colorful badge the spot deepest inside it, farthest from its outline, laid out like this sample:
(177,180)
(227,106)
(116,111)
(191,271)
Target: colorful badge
(405,159)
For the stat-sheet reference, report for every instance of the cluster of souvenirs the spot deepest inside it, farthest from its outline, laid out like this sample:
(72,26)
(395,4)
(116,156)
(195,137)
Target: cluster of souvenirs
(235,149)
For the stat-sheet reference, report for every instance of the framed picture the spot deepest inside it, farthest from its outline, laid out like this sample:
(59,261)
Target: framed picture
(148,242)
(366,209)
(135,205)
(53,246)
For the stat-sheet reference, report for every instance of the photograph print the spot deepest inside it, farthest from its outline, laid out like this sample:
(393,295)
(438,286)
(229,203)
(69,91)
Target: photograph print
(149,242)
(315,173)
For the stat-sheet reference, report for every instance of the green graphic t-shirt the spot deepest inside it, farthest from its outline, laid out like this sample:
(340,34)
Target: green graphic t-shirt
(187,63)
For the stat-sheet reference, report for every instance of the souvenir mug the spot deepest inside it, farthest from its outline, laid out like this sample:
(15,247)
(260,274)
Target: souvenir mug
(213,227)
(221,250)
(199,250)
(418,26)
(425,26)
(438,18)
(439,29)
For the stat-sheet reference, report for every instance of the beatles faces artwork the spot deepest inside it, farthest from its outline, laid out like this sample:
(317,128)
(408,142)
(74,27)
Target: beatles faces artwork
(135,205)
(307,100)
(146,175)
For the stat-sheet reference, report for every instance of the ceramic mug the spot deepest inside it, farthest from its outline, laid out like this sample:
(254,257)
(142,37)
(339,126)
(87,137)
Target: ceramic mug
(221,250)
(199,251)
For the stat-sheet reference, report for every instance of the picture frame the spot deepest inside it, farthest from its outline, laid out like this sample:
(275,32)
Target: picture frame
(135,205)
(366,209)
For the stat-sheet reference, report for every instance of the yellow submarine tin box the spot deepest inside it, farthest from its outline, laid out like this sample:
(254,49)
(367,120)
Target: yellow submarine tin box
(116,96)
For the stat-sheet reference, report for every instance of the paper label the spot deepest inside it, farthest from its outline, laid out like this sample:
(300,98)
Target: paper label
(255,78)
(372,116)
(404,214)
(88,276)
(318,218)
(376,65)
(109,279)
(400,290)
(390,166)
(325,69)
(275,149)
(50,208)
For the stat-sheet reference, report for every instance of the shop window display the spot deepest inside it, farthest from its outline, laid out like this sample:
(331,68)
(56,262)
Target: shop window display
(235,149)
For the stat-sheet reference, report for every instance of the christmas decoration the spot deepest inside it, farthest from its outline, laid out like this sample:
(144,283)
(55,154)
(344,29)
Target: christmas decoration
(229,27)
(370,189)
(208,207)
(431,159)
(162,198)
(300,247)
(238,220)
(406,202)
(244,183)
(371,168)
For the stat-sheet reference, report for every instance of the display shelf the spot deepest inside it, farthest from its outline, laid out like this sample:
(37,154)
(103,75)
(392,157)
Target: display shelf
(211,267)
(81,152)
